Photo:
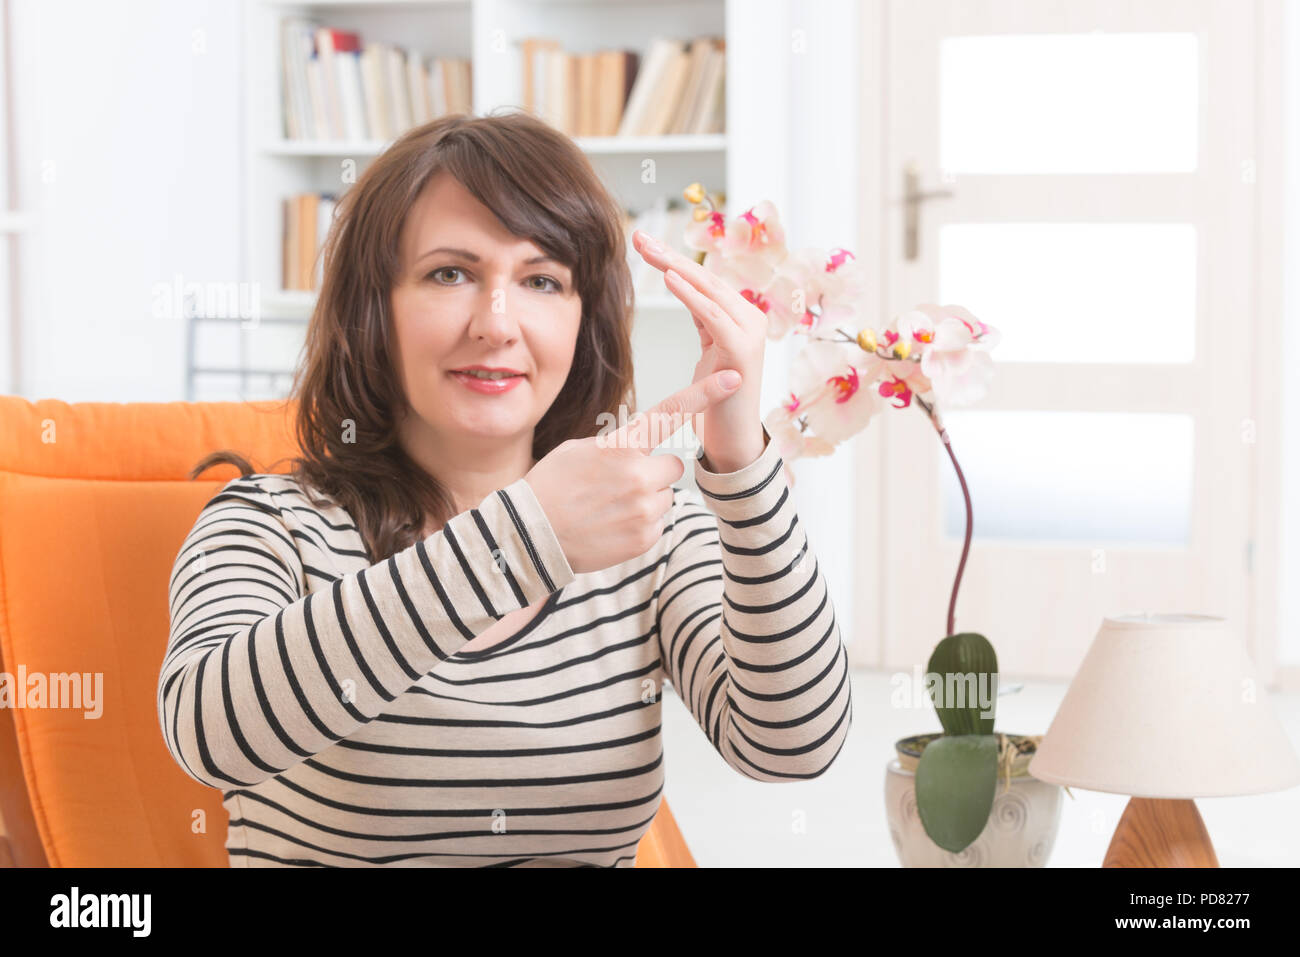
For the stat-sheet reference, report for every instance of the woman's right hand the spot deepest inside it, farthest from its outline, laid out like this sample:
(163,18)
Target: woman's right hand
(606,497)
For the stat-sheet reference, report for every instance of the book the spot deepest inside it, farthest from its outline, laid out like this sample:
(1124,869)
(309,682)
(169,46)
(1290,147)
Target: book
(353,106)
(667,98)
(417,91)
(617,76)
(399,95)
(533,71)
(335,86)
(294,35)
(307,219)
(373,71)
(436,84)
(289,247)
(330,45)
(713,119)
(645,90)
(307,208)
(324,220)
(688,107)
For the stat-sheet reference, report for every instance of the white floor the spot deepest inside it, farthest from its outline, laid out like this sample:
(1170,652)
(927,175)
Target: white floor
(838,820)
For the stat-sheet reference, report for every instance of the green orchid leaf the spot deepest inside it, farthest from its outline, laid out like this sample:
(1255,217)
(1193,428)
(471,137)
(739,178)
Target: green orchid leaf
(955,783)
(962,670)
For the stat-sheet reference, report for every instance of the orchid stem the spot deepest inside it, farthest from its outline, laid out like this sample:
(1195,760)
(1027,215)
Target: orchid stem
(965,493)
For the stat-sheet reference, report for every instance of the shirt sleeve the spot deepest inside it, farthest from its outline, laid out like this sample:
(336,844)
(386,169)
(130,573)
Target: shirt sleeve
(259,675)
(746,626)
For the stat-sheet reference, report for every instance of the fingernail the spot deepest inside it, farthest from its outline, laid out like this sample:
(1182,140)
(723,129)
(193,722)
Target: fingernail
(729,379)
(651,243)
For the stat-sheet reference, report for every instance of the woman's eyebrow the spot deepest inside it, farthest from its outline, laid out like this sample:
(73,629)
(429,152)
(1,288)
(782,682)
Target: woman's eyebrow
(473,257)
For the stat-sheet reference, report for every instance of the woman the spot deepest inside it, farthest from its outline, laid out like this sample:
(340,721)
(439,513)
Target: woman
(441,639)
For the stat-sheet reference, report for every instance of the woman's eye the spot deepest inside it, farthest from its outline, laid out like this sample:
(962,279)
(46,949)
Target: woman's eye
(554,283)
(443,269)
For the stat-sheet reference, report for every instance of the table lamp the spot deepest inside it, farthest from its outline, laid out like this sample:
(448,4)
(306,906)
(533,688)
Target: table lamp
(1166,708)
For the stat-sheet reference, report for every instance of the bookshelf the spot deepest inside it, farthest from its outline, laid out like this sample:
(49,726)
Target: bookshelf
(252,357)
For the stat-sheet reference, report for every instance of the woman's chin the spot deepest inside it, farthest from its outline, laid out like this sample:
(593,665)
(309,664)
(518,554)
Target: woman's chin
(476,416)
(497,423)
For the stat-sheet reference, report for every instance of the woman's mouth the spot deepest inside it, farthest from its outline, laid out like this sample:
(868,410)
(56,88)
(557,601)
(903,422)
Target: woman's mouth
(488,381)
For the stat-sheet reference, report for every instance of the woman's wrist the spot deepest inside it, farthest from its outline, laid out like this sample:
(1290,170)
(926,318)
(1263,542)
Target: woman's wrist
(733,460)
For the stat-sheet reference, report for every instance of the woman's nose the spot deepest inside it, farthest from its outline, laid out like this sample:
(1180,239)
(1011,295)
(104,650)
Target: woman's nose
(493,319)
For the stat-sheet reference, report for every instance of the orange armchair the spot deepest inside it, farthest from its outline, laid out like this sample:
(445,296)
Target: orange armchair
(95,501)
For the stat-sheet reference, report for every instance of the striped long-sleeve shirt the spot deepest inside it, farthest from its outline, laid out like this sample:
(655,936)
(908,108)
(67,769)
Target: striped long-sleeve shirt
(331,703)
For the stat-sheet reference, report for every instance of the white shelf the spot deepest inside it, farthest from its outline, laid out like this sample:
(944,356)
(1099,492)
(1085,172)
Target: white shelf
(596,145)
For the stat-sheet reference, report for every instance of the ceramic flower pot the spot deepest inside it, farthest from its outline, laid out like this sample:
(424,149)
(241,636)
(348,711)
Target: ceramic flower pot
(1022,824)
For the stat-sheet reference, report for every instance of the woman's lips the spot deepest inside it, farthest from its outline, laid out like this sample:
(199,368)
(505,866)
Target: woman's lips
(487,386)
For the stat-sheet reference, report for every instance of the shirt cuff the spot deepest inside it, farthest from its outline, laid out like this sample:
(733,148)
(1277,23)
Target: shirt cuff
(747,491)
(534,547)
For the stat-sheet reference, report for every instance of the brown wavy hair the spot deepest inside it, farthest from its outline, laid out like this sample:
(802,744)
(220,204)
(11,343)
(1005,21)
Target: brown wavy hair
(541,187)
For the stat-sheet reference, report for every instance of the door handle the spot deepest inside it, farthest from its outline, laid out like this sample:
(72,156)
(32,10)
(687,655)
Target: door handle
(913,197)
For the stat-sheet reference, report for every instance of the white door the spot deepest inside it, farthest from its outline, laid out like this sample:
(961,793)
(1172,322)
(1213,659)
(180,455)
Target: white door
(1099,160)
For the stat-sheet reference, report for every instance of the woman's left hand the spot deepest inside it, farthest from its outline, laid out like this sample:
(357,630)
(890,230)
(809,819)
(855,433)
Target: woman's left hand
(733,334)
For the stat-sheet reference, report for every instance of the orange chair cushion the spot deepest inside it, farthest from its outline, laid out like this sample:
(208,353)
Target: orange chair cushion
(94,505)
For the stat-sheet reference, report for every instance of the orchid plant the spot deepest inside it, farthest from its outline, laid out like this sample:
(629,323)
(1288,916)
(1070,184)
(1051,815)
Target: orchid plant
(848,370)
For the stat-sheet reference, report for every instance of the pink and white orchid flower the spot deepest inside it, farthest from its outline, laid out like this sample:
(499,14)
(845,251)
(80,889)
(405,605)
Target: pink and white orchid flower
(750,276)
(902,344)
(843,278)
(833,381)
(793,442)
(794,294)
(846,371)
(956,360)
(754,234)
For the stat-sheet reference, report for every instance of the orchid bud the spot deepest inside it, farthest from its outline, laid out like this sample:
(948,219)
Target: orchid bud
(867,340)
(902,348)
(694,193)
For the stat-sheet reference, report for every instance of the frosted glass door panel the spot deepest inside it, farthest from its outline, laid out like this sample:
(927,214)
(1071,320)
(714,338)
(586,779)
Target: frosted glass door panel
(1091,478)
(1076,292)
(1068,103)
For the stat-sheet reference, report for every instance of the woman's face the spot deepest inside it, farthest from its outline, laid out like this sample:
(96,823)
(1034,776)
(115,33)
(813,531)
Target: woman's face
(469,295)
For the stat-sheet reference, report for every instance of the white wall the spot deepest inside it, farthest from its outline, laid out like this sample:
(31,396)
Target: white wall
(1288,652)
(129,144)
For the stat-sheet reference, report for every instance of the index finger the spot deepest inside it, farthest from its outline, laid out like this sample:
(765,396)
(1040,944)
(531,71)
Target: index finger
(649,429)
(703,280)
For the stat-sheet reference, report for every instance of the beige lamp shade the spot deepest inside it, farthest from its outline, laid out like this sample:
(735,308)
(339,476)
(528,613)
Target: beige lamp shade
(1167,706)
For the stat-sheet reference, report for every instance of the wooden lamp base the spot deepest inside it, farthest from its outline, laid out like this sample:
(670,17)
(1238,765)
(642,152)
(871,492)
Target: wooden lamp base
(1160,832)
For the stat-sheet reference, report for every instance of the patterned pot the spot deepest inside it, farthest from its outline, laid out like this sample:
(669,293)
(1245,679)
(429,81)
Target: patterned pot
(1022,824)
